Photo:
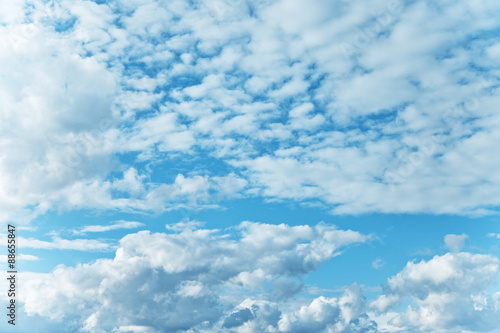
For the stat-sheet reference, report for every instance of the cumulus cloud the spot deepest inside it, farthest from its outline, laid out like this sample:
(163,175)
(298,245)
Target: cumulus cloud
(192,277)
(343,314)
(449,294)
(205,280)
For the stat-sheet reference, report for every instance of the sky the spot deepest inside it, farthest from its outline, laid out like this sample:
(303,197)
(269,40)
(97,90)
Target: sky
(251,165)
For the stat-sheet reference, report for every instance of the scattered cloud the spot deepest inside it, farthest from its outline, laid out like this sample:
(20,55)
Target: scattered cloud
(378,263)
(455,242)
(274,101)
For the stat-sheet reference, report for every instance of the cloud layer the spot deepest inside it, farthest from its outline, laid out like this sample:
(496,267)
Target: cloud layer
(287,108)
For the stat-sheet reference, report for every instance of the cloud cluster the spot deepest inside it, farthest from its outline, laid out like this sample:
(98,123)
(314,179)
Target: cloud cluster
(192,279)
(449,292)
(195,279)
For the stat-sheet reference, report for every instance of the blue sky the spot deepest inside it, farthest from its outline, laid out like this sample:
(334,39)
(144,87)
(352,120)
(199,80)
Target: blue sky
(252,166)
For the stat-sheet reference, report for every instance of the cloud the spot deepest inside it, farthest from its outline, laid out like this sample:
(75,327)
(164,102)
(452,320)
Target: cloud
(114,226)
(151,106)
(52,122)
(21,257)
(188,278)
(274,100)
(385,302)
(192,278)
(449,291)
(343,314)
(378,263)
(58,243)
(132,194)
(455,242)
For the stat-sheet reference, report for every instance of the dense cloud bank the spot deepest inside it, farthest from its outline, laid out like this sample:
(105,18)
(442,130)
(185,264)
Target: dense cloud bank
(201,280)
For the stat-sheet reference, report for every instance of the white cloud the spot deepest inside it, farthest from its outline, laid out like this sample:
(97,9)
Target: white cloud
(263,100)
(58,243)
(131,329)
(185,278)
(217,86)
(455,242)
(203,280)
(114,226)
(133,193)
(378,263)
(494,235)
(345,314)
(385,302)
(449,291)
(21,257)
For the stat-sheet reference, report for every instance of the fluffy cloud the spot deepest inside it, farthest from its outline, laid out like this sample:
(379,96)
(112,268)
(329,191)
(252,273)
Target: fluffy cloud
(274,99)
(191,278)
(344,314)
(494,235)
(449,294)
(201,280)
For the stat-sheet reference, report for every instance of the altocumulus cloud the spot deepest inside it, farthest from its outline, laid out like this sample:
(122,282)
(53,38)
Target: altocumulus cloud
(261,87)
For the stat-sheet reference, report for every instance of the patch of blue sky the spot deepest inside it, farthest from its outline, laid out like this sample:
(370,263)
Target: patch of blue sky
(64,25)
(399,239)
(165,166)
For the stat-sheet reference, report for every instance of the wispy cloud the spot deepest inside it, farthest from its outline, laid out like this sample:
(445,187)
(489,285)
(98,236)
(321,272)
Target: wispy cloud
(103,228)
(57,243)
(378,263)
